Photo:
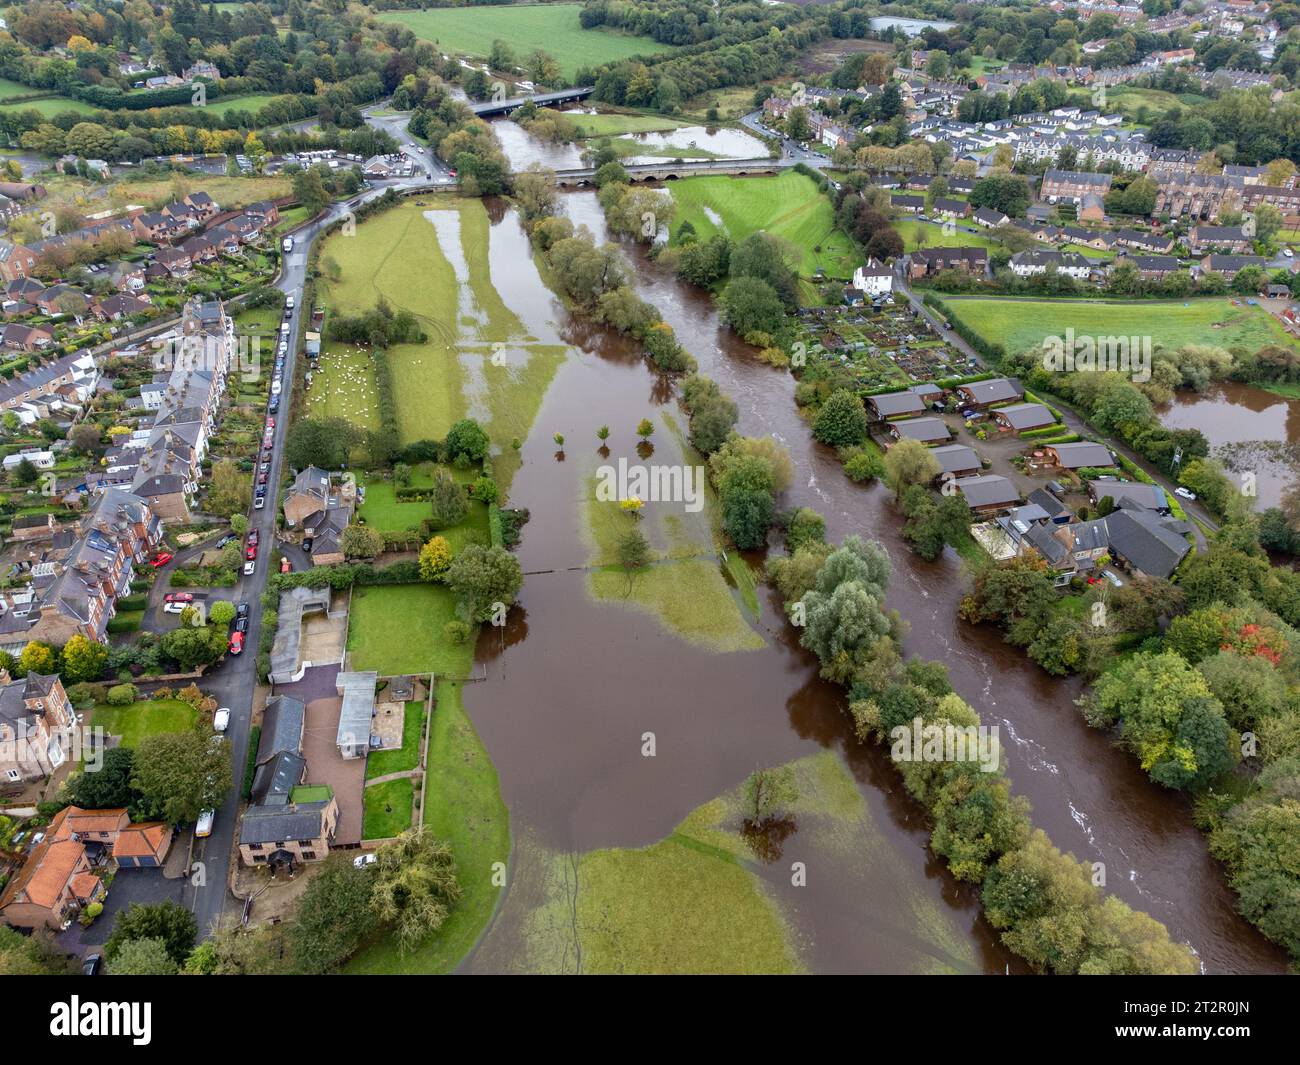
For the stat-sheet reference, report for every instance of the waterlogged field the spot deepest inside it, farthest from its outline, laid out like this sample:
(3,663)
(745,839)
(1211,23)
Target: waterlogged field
(442,260)
(614,125)
(786,205)
(1019,325)
(712,896)
(524,27)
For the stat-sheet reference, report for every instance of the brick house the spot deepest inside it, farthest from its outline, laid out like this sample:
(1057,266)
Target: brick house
(36,723)
(283,835)
(16,261)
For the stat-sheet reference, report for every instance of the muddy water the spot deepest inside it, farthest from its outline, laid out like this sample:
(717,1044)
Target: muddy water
(574,684)
(1250,429)
(523,149)
(1091,798)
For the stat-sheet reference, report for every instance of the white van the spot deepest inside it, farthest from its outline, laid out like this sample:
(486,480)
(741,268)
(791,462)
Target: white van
(221,719)
(288,301)
(204,826)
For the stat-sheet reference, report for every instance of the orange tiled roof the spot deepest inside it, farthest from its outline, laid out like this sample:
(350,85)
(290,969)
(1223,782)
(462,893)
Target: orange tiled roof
(74,819)
(45,874)
(137,841)
(84,886)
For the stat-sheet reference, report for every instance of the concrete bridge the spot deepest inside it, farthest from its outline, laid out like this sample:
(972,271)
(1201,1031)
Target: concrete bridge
(492,108)
(671,170)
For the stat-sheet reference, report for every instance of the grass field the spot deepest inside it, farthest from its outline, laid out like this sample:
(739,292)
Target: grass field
(387,809)
(524,27)
(616,125)
(1127,99)
(397,628)
(922,235)
(49,106)
(431,257)
(407,756)
(252,103)
(229,192)
(148,717)
(1022,324)
(786,205)
(10,89)
(463,806)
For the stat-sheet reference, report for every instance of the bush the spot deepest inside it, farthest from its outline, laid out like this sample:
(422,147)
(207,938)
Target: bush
(121,695)
(456,632)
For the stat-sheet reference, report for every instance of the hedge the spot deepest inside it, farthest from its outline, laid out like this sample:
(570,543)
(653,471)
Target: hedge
(250,766)
(494,526)
(124,623)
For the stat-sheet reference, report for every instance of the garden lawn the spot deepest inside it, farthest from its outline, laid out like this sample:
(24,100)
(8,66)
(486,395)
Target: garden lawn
(524,27)
(462,806)
(407,756)
(922,235)
(378,820)
(397,628)
(252,103)
(787,205)
(145,718)
(1021,325)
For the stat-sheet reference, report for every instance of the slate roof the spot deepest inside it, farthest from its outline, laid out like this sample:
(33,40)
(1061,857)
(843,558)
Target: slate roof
(987,490)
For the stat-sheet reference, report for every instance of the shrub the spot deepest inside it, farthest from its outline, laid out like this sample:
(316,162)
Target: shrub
(456,632)
(121,695)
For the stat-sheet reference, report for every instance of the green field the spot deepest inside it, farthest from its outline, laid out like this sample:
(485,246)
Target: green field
(921,235)
(431,257)
(387,809)
(524,27)
(407,756)
(462,805)
(397,628)
(1020,325)
(252,103)
(615,125)
(1127,99)
(49,106)
(145,718)
(786,205)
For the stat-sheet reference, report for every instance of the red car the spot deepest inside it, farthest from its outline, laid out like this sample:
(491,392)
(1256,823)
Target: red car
(261,478)
(178,597)
(236,643)
(160,559)
(270,424)
(251,552)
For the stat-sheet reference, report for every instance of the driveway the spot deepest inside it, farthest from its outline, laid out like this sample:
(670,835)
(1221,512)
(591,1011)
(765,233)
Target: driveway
(143,886)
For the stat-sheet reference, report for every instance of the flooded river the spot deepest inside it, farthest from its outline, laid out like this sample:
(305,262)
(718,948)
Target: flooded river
(575,683)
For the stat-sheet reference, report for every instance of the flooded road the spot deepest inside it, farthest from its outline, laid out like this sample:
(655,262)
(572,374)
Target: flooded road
(575,683)
(1249,429)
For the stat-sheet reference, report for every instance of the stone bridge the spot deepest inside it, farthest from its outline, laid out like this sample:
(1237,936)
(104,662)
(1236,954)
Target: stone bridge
(671,170)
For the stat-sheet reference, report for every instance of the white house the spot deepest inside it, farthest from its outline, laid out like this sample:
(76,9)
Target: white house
(873,279)
(1029,263)
(42,460)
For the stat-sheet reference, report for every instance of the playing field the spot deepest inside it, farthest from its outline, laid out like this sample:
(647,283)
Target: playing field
(786,205)
(434,258)
(554,28)
(1022,324)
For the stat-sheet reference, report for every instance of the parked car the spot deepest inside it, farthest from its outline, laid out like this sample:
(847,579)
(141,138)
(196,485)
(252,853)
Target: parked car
(221,719)
(160,559)
(287,244)
(250,552)
(203,827)
(241,624)
(288,301)
(175,608)
(1185,493)
(261,478)
(237,643)
(259,502)
(1113,578)
(188,597)
(250,567)
(362,861)
(92,965)
(241,611)
(254,537)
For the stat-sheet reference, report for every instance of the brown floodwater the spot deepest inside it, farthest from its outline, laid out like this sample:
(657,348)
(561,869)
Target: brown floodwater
(1249,429)
(575,683)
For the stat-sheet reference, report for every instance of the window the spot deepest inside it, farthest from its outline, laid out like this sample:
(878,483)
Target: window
(13,774)
(308,856)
